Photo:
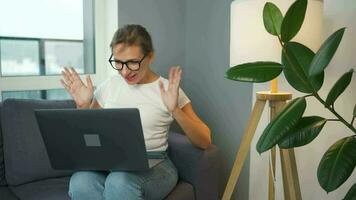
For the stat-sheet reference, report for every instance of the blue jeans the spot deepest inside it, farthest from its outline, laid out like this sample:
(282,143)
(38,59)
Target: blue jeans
(154,183)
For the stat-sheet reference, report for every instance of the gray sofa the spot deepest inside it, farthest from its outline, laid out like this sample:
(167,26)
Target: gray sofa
(25,171)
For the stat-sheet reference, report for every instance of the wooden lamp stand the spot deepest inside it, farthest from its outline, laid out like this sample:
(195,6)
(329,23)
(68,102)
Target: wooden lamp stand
(291,186)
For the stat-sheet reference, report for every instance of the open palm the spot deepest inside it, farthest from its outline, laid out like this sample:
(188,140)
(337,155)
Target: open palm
(82,94)
(170,96)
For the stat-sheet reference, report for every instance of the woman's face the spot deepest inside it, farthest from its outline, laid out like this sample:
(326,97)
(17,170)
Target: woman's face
(124,53)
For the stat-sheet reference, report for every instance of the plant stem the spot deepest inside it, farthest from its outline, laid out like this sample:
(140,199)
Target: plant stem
(280,41)
(352,121)
(297,74)
(316,95)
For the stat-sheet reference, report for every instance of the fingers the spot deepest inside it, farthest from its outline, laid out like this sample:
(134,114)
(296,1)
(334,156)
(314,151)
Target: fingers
(177,76)
(65,85)
(74,74)
(170,75)
(68,74)
(89,82)
(71,76)
(161,87)
(66,78)
(174,75)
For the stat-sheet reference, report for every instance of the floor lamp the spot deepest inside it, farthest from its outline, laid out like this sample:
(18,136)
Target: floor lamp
(250,42)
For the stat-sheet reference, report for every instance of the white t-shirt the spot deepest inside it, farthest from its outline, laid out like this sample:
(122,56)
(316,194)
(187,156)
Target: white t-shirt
(155,117)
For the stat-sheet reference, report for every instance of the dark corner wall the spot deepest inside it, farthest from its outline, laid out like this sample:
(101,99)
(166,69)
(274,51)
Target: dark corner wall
(195,34)
(223,104)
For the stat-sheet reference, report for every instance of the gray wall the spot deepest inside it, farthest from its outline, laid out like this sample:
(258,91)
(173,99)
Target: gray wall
(223,104)
(164,20)
(195,34)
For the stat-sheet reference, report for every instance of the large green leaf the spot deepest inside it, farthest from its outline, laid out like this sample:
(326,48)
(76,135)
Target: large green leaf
(296,60)
(306,130)
(281,124)
(338,88)
(351,194)
(272,18)
(293,20)
(337,164)
(326,53)
(254,72)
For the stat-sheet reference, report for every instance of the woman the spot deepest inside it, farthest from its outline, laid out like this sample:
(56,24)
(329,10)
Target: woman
(159,101)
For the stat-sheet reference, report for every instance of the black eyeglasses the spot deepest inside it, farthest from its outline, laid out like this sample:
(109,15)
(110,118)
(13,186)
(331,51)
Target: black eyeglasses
(131,64)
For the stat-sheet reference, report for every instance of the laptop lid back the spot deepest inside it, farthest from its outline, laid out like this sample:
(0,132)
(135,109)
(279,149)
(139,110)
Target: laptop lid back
(93,139)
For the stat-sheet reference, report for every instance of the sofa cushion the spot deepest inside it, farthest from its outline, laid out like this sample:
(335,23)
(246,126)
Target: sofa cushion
(201,168)
(25,156)
(6,194)
(183,190)
(2,165)
(50,189)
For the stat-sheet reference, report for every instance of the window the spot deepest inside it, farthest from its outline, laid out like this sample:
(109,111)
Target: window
(33,94)
(53,94)
(39,37)
(34,45)
(63,53)
(56,94)
(19,57)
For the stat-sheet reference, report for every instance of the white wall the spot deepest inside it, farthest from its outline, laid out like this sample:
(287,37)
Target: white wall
(337,14)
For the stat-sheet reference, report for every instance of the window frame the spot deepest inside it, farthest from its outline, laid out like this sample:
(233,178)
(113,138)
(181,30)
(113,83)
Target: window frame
(41,52)
(105,24)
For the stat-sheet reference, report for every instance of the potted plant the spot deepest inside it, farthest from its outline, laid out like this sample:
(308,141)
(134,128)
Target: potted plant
(304,71)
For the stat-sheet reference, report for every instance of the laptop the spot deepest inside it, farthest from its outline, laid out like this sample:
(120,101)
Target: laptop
(94,139)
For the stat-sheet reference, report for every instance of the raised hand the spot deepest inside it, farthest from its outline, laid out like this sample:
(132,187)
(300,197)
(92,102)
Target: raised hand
(170,96)
(82,94)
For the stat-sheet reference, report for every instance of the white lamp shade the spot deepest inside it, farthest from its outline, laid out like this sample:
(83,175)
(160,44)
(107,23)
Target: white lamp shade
(250,42)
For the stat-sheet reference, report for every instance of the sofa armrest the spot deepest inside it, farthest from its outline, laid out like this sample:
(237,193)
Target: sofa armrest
(199,167)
